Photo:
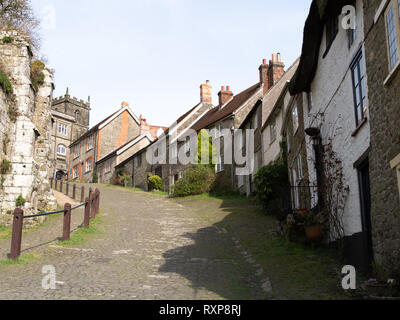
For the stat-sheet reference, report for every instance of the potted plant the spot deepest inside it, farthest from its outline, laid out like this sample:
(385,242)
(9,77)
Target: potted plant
(382,290)
(314,227)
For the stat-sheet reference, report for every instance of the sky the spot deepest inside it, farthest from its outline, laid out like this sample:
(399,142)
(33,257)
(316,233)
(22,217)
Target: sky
(155,54)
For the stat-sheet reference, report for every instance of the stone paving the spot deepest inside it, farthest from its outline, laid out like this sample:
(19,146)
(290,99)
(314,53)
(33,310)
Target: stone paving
(148,247)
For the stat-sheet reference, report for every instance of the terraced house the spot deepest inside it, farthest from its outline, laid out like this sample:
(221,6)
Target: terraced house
(106,136)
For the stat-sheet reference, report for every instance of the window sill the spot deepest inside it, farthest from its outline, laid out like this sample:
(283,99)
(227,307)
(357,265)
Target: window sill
(355,132)
(392,73)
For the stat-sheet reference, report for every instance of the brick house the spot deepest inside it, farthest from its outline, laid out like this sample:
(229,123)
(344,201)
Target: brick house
(108,135)
(332,73)
(382,52)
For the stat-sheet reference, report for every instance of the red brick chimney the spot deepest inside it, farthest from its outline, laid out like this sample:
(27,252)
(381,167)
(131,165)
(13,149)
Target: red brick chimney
(225,95)
(264,75)
(206,92)
(276,69)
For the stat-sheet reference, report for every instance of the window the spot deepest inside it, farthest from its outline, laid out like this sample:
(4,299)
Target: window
(62,129)
(309,100)
(108,166)
(273,131)
(89,145)
(300,168)
(77,115)
(76,151)
(89,165)
(220,166)
(187,145)
(332,28)
(139,161)
(392,32)
(295,118)
(358,74)
(296,199)
(352,34)
(75,172)
(61,150)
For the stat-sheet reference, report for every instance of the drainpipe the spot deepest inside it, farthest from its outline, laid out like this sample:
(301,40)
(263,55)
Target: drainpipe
(315,134)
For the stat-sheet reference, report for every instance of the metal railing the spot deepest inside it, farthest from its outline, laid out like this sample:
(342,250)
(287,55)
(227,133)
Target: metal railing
(302,199)
(91,204)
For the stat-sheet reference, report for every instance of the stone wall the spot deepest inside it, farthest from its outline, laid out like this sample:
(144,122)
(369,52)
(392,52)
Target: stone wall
(385,143)
(28,143)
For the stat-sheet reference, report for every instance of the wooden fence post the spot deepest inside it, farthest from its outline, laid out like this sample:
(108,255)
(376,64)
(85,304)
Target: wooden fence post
(74,191)
(92,206)
(97,201)
(82,194)
(18,223)
(55,187)
(86,220)
(67,191)
(51,183)
(61,186)
(67,222)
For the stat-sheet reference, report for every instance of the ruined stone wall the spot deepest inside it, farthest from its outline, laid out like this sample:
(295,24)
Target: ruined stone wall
(28,143)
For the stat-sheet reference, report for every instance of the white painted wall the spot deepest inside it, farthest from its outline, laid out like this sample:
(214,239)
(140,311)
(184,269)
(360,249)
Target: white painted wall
(332,92)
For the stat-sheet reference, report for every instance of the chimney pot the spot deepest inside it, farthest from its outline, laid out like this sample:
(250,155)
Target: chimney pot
(228,88)
(225,96)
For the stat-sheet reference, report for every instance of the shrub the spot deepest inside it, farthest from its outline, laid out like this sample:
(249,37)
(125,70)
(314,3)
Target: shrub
(20,202)
(5,83)
(7,39)
(5,166)
(270,182)
(37,75)
(95,177)
(196,180)
(155,183)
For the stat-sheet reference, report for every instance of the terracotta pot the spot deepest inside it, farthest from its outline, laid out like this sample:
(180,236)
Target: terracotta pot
(314,233)
(302,212)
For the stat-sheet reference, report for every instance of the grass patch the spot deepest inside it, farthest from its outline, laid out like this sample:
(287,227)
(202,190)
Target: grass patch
(161,193)
(5,233)
(81,235)
(22,260)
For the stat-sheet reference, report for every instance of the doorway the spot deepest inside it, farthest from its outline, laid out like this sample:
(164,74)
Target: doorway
(365,198)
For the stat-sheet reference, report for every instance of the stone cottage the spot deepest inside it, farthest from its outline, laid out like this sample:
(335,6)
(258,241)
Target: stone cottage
(70,120)
(173,139)
(25,130)
(105,137)
(382,55)
(336,119)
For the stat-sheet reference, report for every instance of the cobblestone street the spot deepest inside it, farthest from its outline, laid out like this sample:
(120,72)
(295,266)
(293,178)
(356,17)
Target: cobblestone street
(147,247)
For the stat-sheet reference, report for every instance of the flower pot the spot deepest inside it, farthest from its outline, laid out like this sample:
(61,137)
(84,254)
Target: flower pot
(386,291)
(314,233)
(302,212)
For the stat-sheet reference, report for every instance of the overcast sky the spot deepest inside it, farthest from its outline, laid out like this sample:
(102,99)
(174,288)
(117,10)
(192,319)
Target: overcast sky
(156,53)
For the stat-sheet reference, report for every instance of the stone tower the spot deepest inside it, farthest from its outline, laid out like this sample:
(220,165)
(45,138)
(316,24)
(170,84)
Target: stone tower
(70,119)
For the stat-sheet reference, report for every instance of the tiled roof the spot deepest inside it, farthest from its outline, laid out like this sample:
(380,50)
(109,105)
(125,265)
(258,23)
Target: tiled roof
(219,113)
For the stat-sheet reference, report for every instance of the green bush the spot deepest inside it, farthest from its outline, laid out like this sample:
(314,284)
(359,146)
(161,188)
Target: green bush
(37,75)
(7,39)
(5,83)
(270,182)
(155,183)
(95,177)
(196,180)
(20,202)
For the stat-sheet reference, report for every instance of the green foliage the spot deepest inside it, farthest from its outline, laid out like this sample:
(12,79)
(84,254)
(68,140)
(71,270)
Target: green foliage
(95,177)
(37,75)
(206,150)
(5,166)
(270,182)
(2,182)
(155,183)
(20,202)
(5,84)
(195,181)
(7,39)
